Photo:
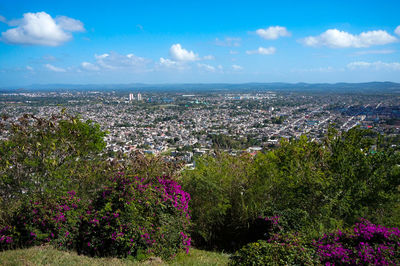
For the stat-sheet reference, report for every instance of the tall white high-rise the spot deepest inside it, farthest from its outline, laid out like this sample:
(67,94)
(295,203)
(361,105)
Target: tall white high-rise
(139,96)
(130,97)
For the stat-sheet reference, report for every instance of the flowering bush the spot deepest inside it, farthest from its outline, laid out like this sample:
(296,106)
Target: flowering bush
(366,244)
(131,216)
(42,221)
(7,238)
(134,216)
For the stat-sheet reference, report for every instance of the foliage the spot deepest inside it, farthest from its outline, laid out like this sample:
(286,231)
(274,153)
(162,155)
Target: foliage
(146,166)
(314,187)
(49,156)
(37,222)
(366,244)
(366,177)
(137,217)
(219,204)
(287,250)
(131,216)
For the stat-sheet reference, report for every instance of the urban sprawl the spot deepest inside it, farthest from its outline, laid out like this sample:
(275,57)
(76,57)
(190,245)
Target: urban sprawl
(180,126)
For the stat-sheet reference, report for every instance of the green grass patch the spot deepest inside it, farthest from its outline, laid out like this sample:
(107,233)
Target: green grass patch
(47,255)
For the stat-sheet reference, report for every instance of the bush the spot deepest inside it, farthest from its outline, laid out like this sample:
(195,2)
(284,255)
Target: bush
(43,221)
(131,216)
(220,202)
(279,250)
(46,157)
(134,216)
(366,244)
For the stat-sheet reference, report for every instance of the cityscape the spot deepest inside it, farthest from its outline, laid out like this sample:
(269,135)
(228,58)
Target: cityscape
(180,126)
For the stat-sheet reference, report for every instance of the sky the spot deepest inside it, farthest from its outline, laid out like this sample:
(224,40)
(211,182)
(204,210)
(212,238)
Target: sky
(115,42)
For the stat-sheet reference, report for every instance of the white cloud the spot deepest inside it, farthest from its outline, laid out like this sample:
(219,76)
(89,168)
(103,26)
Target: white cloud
(70,24)
(3,19)
(328,69)
(228,41)
(335,38)
(180,54)
(54,68)
(171,64)
(233,52)
(41,29)
(375,52)
(237,67)
(115,60)
(89,66)
(263,51)
(273,32)
(29,68)
(378,65)
(206,67)
(208,57)
(167,62)
(397,30)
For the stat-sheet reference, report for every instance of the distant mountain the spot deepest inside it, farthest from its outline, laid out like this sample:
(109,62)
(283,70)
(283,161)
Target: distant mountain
(367,87)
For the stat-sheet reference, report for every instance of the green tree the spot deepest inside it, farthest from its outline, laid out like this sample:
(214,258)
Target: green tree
(44,156)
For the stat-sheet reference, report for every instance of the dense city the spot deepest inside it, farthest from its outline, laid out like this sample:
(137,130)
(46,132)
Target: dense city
(180,126)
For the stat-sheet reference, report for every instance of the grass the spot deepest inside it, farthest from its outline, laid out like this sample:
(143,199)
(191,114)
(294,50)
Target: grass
(47,255)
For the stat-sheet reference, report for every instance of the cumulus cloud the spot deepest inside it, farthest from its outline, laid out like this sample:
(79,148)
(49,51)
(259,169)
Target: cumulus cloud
(69,24)
(335,38)
(29,68)
(54,68)
(378,65)
(263,51)
(397,30)
(3,19)
(41,29)
(228,41)
(89,66)
(273,32)
(237,67)
(206,67)
(180,54)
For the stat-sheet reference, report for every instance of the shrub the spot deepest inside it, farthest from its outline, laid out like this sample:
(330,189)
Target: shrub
(47,157)
(366,244)
(131,216)
(42,221)
(220,202)
(279,250)
(137,217)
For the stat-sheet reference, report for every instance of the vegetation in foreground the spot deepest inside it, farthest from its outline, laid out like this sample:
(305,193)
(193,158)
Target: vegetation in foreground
(57,187)
(48,255)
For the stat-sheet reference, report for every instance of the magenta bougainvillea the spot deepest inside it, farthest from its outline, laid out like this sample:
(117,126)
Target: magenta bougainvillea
(130,216)
(366,244)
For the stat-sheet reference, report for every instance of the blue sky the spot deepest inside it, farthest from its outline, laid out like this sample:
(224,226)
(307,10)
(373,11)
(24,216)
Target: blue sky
(198,41)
